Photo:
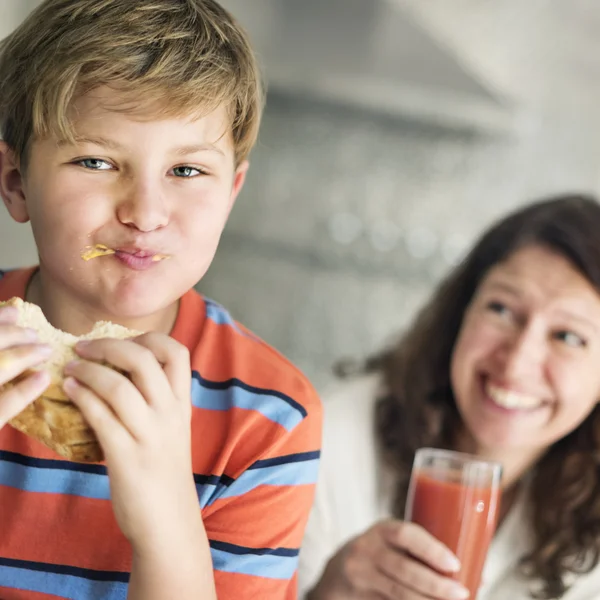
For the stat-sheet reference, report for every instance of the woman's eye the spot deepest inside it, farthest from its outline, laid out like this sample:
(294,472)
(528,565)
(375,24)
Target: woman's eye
(94,164)
(186,171)
(571,339)
(498,308)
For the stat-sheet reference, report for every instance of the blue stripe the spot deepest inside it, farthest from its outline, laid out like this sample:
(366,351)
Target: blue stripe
(219,315)
(47,463)
(91,481)
(277,563)
(209,488)
(215,312)
(63,582)
(233,393)
(234,382)
(83,480)
(295,469)
(37,475)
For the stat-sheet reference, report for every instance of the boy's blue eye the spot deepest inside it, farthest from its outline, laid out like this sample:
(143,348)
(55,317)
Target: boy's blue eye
(185,171)
(94,164)
(571,339)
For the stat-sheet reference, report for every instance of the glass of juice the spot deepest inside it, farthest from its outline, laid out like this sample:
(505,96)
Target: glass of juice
(456,498)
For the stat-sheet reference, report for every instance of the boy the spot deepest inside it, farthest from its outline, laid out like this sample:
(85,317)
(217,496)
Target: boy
(127,125)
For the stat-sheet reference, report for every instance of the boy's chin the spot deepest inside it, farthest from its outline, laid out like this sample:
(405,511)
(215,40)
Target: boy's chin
(136,307)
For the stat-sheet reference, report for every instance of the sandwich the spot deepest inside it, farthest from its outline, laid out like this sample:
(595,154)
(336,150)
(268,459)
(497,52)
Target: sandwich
(52,418)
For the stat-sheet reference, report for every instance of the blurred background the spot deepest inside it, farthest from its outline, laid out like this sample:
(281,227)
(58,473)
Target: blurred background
(395,131)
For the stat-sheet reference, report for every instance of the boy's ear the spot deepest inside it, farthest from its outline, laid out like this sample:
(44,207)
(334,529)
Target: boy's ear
(11,184)
(238,182)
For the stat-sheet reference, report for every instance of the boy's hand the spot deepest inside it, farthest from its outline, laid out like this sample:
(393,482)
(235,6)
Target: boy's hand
(19,352)
(143,423)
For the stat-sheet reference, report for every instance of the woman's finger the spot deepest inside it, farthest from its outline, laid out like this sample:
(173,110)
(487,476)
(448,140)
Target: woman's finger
(419,578)
(389,589)
(113,389)
(372,583)
(420,544)
(17,397)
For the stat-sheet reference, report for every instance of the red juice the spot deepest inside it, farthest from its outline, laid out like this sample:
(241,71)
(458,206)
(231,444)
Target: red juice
(461,516)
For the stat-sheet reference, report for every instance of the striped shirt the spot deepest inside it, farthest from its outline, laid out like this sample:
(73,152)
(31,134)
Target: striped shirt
(256,431)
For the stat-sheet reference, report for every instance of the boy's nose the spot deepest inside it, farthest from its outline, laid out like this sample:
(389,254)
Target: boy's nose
(143,209)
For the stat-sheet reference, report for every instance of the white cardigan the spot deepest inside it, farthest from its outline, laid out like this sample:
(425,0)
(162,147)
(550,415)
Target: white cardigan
(354,491)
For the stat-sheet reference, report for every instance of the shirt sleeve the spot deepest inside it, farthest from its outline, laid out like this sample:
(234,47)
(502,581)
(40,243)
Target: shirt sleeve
(256,522)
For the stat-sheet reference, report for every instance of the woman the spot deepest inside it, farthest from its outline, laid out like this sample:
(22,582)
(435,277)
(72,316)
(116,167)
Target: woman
(503,362)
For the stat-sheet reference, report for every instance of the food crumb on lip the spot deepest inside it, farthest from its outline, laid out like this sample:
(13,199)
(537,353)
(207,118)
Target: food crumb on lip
(98,250)
(90,252)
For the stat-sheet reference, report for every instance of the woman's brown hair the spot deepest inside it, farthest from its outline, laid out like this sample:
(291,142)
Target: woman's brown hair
(418,408)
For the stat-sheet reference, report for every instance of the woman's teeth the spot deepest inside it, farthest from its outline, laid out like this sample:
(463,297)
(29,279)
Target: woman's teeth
(511,400)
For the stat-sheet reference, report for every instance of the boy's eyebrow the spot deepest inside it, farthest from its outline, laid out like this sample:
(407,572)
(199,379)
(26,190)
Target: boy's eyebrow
(113,145)
(98,141)
(198,148)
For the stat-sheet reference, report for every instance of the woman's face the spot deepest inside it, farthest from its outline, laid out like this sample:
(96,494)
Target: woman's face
(526,365)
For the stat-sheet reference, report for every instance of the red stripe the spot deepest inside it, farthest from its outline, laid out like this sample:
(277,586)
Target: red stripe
(263,519)
(12,594)
(234,585)
(230,441)
(64,530)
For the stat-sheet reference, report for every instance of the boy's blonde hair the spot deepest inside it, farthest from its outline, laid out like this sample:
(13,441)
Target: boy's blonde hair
(170,57)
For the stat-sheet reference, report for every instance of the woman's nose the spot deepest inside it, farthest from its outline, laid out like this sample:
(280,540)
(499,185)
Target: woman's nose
(524,354)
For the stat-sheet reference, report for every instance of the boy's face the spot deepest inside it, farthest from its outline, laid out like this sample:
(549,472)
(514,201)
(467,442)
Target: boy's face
(145,188)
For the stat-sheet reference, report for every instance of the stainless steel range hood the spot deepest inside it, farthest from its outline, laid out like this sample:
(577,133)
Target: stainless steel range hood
(367,53)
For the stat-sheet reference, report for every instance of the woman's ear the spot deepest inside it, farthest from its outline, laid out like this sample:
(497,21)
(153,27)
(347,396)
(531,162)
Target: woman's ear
(11,184)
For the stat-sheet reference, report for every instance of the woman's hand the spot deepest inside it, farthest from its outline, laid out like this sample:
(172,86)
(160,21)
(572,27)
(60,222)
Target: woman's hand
(393,560)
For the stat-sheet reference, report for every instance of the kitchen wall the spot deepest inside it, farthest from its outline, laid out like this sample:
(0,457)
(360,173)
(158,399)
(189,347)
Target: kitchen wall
(348,220)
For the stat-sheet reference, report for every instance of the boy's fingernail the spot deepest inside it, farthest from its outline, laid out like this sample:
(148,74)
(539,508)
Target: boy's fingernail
(71,365)
(82,345)
(70,384)
(31,334)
